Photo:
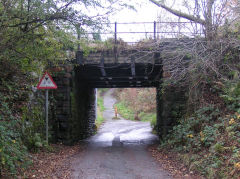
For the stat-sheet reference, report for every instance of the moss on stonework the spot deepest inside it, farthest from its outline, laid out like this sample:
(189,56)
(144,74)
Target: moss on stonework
(171,101)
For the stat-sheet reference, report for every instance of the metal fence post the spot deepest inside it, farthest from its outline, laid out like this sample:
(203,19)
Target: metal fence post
(154,31)
(115,33)
(115,43)
(46,113)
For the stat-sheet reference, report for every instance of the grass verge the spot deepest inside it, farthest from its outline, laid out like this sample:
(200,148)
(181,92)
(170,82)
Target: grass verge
(99,119)
(124,111)
(129,114)
(100,103)
(100,109)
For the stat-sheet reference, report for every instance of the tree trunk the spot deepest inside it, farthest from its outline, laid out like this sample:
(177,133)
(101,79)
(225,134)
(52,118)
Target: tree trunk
(209,27)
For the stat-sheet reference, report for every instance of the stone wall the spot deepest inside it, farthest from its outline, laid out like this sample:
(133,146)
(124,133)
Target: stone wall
(83,109)
(171,106)
(62,101)
(74,115)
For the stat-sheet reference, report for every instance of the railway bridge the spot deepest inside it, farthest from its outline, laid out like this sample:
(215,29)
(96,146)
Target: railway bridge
(121,65)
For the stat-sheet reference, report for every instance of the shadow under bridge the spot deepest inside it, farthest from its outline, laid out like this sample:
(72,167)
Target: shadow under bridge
(130,68)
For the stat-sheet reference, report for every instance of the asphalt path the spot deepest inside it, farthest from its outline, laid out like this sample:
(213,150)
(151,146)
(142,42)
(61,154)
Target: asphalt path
(118,150)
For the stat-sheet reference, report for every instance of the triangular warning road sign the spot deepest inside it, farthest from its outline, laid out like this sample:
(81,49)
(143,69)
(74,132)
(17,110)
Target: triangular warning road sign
(46,82)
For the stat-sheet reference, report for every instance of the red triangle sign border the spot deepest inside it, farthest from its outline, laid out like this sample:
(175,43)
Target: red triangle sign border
(47,87)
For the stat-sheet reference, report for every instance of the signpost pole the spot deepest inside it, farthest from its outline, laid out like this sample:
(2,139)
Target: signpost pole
(46,83)
(46,113)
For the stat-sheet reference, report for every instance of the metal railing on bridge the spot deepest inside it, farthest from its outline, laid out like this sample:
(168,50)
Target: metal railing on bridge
(133,32)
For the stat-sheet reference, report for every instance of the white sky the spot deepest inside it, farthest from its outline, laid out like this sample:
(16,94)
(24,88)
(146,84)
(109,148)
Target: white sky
(146,12)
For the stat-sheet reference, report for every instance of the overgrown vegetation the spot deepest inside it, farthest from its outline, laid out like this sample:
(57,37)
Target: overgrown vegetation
(21,122)
(12,151)
(137,104)
(208,141)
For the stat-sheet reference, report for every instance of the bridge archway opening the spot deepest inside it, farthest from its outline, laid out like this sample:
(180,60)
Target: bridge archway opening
(133,122)
(88,77)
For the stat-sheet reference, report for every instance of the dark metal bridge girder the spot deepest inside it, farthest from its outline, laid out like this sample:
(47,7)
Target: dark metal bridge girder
(119,75)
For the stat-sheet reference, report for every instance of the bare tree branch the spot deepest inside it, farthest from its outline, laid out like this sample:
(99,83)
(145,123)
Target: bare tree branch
(179,13)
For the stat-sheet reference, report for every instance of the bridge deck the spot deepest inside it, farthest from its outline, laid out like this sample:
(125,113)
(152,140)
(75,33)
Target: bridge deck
(138,66)
(107,69)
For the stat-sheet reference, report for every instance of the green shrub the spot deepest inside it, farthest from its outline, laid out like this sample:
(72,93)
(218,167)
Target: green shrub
(218,148)
(99,119)
(213,139)
(209,133)
(13,153)
(143,116)
(231,96)
(33,127)
(153,122)
(100,108)
(100,103)
(124,111)
(21,126)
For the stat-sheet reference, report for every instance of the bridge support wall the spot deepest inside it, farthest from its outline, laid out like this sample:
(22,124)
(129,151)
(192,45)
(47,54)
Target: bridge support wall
(83,100)
(74,117)
(171,106)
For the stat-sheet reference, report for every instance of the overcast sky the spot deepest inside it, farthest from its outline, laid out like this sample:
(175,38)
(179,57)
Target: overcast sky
(145,12)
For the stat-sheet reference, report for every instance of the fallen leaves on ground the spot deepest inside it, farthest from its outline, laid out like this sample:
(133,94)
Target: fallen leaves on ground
(52,165)
(169,161)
